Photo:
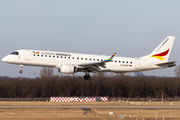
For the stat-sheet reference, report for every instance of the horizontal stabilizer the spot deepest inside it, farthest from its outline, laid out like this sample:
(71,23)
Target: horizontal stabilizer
(167,64)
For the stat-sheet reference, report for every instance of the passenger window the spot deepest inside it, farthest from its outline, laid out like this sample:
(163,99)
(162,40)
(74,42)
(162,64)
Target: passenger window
(38,55)
(69,57)
(49,56)
(34,54)
(131,62)
(111,60)
(123,61)
(61,57)
(90,59)
(127,61)
(81,58)
(115,61)
(101,60)
(93,59)
(65,57)
(97,59)
(77,58)
(72,57)
(57,56)
(86,58)
(119,61)
(45,55)
(53,56)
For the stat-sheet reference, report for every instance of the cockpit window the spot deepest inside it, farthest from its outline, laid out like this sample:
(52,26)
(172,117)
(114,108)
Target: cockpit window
(15,53)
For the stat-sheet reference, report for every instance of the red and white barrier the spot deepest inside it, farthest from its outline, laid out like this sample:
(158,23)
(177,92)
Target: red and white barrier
(87,99)
(77,99)
(104,99)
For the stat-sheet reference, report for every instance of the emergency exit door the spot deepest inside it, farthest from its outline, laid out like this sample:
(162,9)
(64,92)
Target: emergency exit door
(136,63)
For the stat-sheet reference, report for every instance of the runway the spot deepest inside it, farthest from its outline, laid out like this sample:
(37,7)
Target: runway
(100,107)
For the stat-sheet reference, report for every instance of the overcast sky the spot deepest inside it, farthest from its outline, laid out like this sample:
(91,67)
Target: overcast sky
(131,28)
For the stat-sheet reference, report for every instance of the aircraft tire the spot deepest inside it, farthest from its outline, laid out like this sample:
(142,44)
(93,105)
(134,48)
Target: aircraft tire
(20,71)
(87,77)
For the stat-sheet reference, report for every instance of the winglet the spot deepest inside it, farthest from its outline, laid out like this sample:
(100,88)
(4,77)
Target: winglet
(110,58)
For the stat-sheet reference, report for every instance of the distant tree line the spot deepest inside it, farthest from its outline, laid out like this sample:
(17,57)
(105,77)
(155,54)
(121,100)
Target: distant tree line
(129,87)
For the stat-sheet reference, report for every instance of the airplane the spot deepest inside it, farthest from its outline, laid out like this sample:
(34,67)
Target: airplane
(70,63)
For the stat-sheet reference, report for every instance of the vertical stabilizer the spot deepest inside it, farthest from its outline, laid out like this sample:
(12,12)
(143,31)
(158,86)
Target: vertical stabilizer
(163,51)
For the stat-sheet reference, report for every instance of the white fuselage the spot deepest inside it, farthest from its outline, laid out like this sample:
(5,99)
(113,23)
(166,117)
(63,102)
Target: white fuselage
(52,59)
(70,63)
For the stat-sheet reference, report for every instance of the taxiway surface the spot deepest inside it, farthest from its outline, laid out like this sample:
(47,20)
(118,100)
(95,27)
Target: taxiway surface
(101,107)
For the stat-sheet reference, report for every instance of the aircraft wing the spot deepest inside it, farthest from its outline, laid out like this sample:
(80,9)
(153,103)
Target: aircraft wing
(95,66)
(167,64)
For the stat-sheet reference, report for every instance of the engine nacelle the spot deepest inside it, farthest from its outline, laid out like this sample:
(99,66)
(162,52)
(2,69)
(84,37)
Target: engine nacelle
(68,69)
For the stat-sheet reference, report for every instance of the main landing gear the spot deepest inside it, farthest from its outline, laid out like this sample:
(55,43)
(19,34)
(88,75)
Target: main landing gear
(87,76)
(21,67)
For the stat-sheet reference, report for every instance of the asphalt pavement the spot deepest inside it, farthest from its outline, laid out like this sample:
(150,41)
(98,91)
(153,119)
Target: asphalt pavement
(102,107)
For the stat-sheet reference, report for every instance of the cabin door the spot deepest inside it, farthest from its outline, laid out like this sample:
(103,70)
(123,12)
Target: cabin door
(27,56)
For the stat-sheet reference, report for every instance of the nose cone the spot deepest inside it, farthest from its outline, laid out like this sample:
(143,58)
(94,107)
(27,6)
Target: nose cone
(5,59)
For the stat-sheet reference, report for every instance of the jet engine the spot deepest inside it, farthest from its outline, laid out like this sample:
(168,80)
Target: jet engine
(67,69)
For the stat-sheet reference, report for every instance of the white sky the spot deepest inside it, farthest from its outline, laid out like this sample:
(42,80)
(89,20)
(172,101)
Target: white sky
(129,28)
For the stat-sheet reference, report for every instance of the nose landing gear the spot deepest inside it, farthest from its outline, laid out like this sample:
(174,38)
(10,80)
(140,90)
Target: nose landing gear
(87,76)
(21,67)
(20,71)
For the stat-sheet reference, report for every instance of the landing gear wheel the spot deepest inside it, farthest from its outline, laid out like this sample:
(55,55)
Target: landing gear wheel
(87,77)
(21,67)
(20,71)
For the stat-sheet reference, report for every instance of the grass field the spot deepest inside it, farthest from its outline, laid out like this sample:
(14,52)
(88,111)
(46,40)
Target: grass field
(76,114)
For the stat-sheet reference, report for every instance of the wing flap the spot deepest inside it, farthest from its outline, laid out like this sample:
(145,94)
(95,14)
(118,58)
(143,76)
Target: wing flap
(95,66)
